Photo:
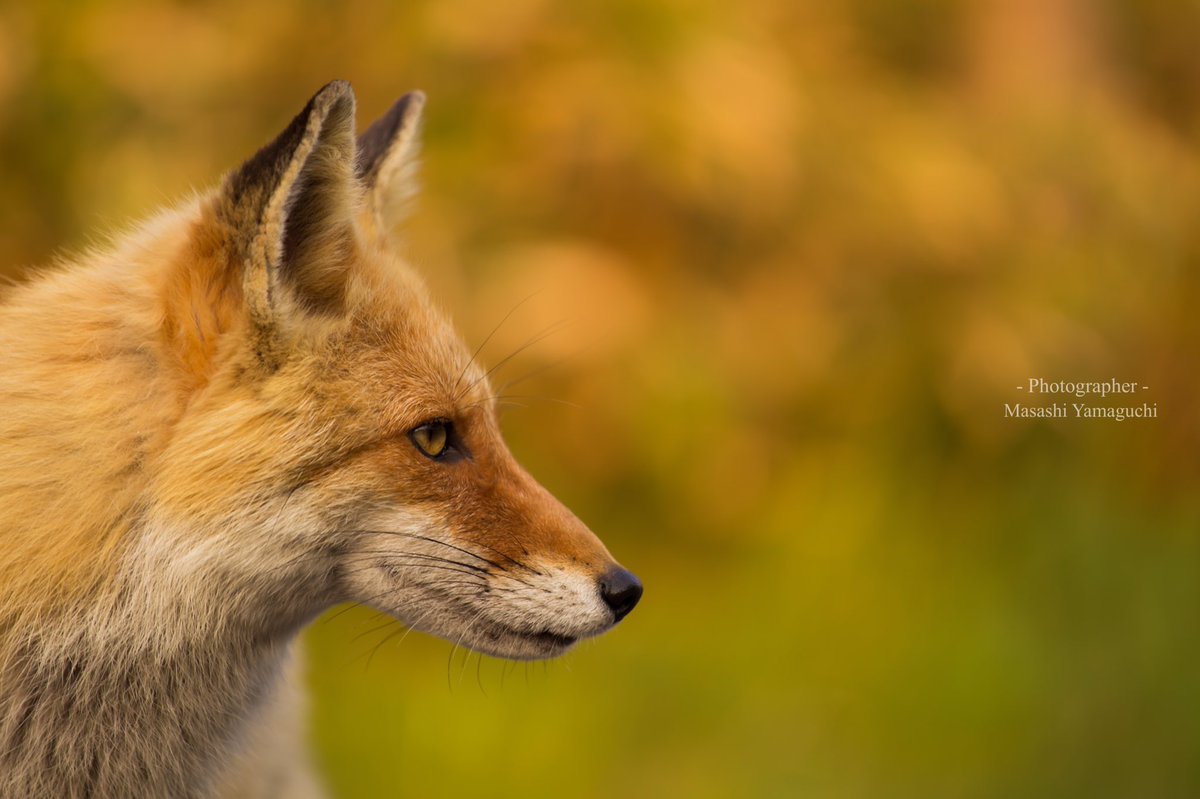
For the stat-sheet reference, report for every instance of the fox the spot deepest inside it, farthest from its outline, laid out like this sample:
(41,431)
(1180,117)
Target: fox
(222,424)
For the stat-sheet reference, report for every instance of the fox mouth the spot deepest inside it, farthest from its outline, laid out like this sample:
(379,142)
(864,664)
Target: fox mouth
(551,640)
(499,639)
(515,644)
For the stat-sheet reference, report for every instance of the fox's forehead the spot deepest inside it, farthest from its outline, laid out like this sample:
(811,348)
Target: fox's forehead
(405,350)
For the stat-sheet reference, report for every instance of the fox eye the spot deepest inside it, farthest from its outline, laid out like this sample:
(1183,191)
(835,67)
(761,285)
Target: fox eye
(431,438)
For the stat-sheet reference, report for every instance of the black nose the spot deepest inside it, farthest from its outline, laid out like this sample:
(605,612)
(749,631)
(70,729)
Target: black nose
(620,591)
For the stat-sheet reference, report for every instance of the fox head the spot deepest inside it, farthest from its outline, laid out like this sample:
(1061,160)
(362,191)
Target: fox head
(334,440)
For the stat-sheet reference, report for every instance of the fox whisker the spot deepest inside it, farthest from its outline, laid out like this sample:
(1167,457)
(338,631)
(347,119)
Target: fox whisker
(468,627)
(432,540)
(391,556)
(532,373)
(392,566)
(403,630)
(400,630)
(422,556)
(488,338)
(539,398)
(387,623)
(537,338)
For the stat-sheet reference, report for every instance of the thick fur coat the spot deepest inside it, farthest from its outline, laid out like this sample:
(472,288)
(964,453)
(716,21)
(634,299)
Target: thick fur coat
(242,414)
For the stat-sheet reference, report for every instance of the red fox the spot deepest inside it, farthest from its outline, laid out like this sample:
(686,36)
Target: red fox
(243,414)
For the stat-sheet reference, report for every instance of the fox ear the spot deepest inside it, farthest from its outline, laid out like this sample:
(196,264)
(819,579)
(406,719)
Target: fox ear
(387,160)
(291,208)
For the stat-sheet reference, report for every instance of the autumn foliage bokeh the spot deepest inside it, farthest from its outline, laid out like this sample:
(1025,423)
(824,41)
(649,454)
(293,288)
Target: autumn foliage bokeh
(782,264)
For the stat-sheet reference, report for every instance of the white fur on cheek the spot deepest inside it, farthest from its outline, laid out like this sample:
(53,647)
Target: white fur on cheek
(551,600)
(409,566)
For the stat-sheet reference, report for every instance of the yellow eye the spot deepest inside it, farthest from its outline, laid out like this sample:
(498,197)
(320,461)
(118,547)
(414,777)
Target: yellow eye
(431,438)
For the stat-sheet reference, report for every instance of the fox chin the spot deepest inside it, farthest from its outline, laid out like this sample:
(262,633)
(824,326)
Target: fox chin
(240,415)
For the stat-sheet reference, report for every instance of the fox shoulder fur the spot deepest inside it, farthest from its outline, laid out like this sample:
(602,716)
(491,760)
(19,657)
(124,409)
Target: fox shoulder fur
(242,414)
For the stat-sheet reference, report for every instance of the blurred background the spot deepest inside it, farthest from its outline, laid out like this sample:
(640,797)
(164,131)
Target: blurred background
(793,258)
